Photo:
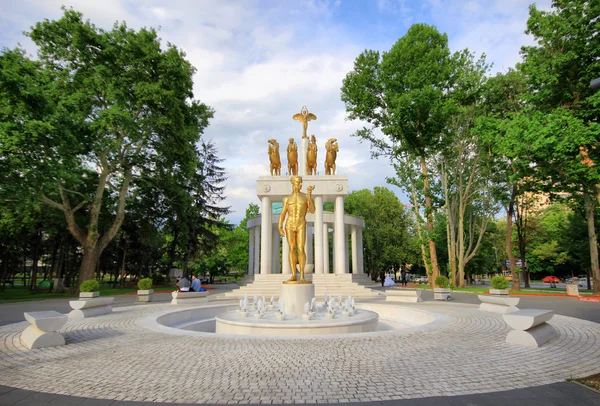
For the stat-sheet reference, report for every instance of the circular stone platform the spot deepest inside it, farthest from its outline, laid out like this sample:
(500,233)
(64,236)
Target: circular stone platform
(231,322)
(461,352)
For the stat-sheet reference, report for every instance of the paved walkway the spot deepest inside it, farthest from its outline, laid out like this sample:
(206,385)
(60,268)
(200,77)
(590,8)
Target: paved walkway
(114,361)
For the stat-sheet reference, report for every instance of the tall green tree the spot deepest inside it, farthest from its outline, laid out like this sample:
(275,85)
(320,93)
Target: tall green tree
(560,132)
(406,93)
(388,239)
(96,104)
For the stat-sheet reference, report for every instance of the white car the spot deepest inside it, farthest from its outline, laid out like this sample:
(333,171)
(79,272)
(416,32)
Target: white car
(582,283)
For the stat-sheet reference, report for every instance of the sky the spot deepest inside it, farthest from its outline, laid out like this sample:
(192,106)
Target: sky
(258,62)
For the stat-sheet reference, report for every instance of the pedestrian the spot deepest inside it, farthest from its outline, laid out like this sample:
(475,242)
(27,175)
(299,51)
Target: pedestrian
(403,276)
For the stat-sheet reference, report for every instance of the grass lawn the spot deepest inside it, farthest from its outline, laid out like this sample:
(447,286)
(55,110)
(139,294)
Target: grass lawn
(22,294)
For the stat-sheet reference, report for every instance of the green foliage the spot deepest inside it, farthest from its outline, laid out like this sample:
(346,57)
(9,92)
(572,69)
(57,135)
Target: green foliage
(442,282)
(145,284)
(97,114)
(499,282)
(389,236)
(91,285)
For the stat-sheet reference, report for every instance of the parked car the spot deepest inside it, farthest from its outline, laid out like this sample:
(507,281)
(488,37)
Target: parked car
(421,279)
(583,283)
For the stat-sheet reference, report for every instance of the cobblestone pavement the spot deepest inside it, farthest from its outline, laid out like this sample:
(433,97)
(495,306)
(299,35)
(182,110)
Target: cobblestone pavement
(111,357)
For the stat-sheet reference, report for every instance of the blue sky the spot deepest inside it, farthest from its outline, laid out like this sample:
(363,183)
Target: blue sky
(259,62)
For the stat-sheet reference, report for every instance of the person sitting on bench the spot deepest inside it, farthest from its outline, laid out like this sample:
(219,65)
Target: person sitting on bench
(195,284)
(183,284)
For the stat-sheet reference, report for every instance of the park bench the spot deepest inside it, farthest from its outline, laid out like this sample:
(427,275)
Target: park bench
(42,332)
(501,304)
(96,306)
(530,327)
(189,297)
(402,295)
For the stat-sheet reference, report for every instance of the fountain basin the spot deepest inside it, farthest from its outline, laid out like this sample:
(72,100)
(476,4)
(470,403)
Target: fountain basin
(363,321)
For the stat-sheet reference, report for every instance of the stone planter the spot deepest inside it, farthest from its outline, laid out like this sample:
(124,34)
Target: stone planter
(145,295)
(442,293)
(88,295)
(498,291)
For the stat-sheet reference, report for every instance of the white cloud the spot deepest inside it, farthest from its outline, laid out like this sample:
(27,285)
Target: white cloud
(258,62)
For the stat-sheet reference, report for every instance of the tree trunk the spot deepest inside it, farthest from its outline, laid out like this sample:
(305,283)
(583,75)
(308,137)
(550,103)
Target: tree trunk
(516,284)
(88,263)
(429,212)
(450,231)
(590,208)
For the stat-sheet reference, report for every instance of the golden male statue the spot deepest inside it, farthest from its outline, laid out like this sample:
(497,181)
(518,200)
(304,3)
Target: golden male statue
(292,153)
(304,117)
(274,158)
(332,149)
(295,207)
(311,156)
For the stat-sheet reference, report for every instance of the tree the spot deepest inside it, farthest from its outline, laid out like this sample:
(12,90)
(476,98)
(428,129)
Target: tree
(561,129)
(99,105)
(406,93)
(388,238)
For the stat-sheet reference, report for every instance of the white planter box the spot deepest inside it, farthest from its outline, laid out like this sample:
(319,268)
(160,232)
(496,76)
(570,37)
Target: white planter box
(96,306)
(442,293)
(88,295)
(498,291)
(145,295)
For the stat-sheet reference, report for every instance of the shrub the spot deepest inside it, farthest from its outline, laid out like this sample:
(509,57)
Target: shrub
(442,282)
(499,282)
(89,286)
(145,284)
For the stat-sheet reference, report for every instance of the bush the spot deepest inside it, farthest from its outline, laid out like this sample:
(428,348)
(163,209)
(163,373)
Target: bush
(442,282)
(89,286)
(499,282)
(145,284)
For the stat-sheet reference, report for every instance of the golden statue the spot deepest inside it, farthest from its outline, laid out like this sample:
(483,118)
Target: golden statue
(304,117)
(311,156)
(332,149)
(292,151)
(295,207)
(274,158)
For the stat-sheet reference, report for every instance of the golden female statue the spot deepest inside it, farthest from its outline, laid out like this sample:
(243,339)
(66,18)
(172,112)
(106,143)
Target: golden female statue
(304,117)
(311,156)
(295,207)
(274,158)
(332,149)
(292,152)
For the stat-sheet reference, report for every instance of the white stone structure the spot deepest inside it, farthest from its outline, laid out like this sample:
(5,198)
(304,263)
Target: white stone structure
(402,295)
(263,230)
(95,306)
(189,297)
(530,327)
(42,332)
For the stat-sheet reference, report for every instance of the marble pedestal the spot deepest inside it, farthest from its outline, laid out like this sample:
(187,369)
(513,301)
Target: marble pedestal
(295,296)
(42,332)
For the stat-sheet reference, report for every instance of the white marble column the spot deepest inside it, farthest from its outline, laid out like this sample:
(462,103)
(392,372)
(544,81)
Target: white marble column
(250,250)
(265,237)
(339,231)
(325,248)
(346,250)
(275,251)
(359,249)
(256,250)
(285,257)
(318,230)
(308,248)
(354,250)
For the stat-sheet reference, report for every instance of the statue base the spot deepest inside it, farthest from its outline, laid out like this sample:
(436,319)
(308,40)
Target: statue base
(304,282)
(296,295)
